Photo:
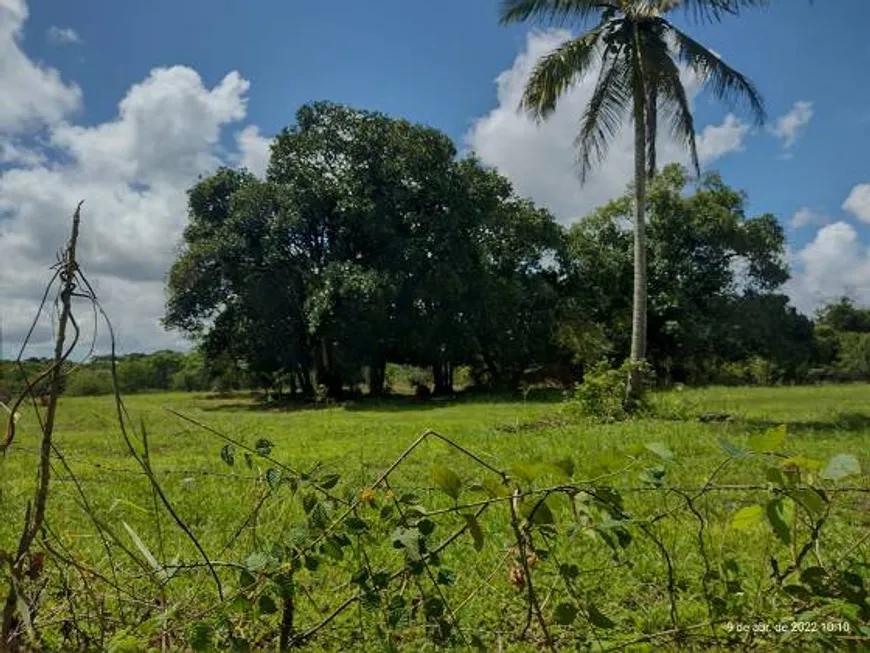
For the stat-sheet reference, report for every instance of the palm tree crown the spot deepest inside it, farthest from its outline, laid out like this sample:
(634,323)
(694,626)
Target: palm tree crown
(636,50)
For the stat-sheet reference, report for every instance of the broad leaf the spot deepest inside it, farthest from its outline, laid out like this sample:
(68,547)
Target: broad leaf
(565,613)
(447,480)
(228,454)
(770,441)
(598,618)
(263,446)
(776,516)
(841,466)
(474,530)
(746,517)
(660,449)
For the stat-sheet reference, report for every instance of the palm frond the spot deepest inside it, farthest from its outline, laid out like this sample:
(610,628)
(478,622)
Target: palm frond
(727,84)
(554,11)
(555,72)
(709,11)
(674,104)
(605,112)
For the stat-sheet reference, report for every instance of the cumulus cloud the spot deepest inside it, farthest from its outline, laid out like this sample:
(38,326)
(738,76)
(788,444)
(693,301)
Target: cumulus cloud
(834,264)
(253,150)
(32,94)
(539,158)
(132,171)
(715,141)
(858,202)
(806,216)
(790,126)
(63,35)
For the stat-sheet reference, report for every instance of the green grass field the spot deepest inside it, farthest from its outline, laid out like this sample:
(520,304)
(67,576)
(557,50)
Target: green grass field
(361,439)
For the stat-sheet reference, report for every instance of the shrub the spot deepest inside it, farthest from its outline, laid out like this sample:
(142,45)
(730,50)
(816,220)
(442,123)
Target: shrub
(601,395)
(89,383)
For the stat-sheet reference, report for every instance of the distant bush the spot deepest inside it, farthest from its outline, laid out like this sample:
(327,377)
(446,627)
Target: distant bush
(86,382)
(601,395)
(853,359)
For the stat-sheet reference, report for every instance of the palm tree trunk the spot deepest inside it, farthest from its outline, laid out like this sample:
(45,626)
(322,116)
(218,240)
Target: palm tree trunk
(638,316)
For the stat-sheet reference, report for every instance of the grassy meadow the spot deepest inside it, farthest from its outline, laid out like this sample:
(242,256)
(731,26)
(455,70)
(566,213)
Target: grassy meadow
(360,439)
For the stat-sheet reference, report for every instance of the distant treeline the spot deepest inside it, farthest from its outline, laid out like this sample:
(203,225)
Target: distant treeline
(371,247)
(839,348)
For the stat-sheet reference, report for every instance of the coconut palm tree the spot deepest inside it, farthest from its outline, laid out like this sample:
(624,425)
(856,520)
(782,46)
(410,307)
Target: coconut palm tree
(637,52)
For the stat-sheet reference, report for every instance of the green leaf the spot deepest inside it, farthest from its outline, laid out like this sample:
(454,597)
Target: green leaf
(525,471)
(494,488)
(802,462)
(776,516)
(409,540)
(309,501)
(655,476)
(199,636)
(569,571)
(395,610)
(734,452)
(273,477)
(474,530)
(660,449)
(565,466)
(542,514)
(426,526)
(811,500)
(228,454)
(433,607)
(356,525)
(266,604)
(841,466)
(770,441)
(597,618)
(444,577)
(799,592)
(329,481)
(774,476)
(565,613)
(331,548)
(447,480)
(249,460)
(246,579)
(746,517)
(263,446)
(257,561)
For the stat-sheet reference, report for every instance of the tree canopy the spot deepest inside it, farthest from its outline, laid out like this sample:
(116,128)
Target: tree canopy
(371,242)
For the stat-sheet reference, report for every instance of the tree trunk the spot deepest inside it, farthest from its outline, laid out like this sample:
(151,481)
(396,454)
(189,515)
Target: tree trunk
(377,376)
(638,315)
(443,378)
(652,119)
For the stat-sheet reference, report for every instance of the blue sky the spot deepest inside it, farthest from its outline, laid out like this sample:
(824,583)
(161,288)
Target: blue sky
(71,64)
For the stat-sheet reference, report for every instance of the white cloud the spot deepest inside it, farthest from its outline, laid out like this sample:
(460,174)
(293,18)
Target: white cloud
(858,202)
(806,216)
(789,127)
(715,141)
(834,264)
(63,35)
(253,150)
(32,95)
(131,171)
(539,158)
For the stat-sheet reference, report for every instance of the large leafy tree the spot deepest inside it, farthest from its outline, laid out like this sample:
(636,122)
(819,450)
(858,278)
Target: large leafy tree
(368,242)
(713,277)
(637,51)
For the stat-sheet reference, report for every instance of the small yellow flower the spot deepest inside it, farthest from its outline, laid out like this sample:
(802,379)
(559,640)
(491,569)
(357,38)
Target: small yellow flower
(390,495)
(367,496)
